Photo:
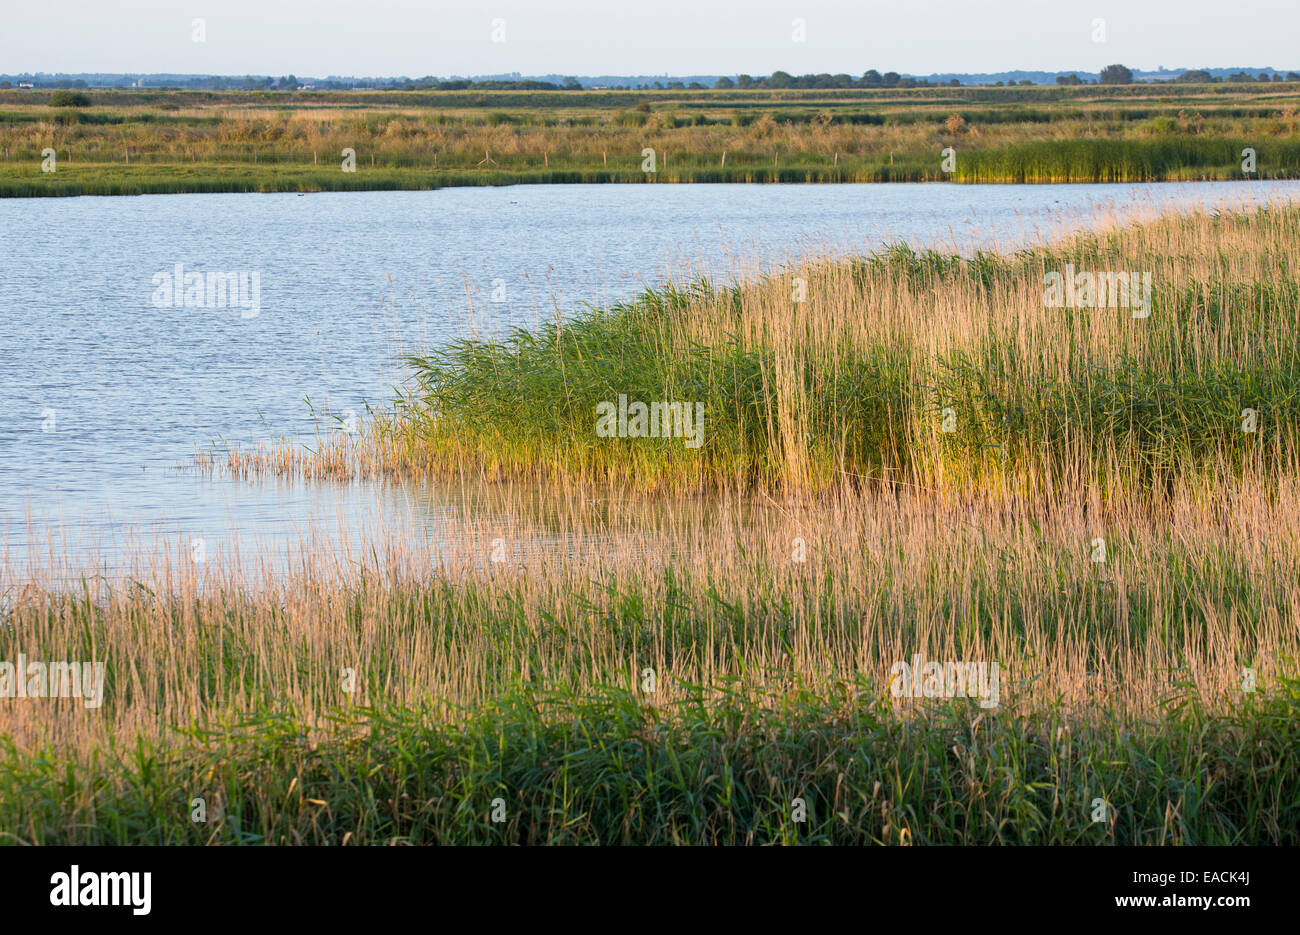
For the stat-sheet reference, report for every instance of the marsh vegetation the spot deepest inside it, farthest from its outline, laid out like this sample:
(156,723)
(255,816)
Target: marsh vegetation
(133,142)
(602,669)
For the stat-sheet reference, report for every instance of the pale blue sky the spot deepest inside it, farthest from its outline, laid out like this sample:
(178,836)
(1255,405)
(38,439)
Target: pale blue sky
(420,37)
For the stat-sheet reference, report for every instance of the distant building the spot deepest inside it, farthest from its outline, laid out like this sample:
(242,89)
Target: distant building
(25,84)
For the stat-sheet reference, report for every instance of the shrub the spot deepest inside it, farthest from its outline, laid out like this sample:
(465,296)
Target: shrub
(64,98)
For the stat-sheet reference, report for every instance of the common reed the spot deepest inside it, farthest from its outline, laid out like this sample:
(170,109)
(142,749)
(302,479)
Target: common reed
(625,640)
(943,372)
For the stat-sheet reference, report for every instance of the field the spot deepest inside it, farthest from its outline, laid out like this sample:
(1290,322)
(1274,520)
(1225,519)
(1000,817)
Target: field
(633,640)
(142,141)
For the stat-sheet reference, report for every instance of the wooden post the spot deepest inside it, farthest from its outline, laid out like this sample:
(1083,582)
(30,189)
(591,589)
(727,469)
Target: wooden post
(724,159)
(546,157)
(837,159)
(314,158)
(372,160)
(606,156)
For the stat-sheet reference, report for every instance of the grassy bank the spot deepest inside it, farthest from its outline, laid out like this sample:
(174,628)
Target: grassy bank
(630,640)
(157,142)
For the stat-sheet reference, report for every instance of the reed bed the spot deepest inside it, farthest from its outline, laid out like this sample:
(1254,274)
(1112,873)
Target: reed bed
(623,640)
(475,679)
(942,372)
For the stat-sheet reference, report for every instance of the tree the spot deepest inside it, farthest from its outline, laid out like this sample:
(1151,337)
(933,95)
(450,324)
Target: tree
(1195,76)
(871,78)
(1071,79)
(1116,74)
(780,79)
(889,79)
(724,82)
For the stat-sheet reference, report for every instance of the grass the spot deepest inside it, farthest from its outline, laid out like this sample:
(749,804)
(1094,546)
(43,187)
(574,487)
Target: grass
(606,769)
(624,640)
(135,142)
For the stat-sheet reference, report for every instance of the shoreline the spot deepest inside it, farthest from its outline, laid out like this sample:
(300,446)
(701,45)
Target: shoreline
(280,181)
(155,142)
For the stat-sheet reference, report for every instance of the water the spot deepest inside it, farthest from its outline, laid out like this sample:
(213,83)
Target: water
(105,396)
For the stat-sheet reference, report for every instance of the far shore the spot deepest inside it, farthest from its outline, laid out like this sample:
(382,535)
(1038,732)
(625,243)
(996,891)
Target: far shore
(122,142)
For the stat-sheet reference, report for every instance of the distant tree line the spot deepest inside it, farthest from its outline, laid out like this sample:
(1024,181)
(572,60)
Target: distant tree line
(778,80)
(870,79)
(1120,74)
(292,83)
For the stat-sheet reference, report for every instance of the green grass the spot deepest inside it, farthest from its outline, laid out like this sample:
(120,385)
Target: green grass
(607,769)
(1169,158)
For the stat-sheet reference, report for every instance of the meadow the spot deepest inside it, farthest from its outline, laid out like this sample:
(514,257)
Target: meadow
(151,141)
(626,640)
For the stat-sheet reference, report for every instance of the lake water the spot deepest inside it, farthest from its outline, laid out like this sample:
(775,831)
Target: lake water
(107,388)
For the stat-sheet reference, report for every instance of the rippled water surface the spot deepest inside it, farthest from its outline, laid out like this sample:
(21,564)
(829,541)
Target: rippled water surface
(105,394)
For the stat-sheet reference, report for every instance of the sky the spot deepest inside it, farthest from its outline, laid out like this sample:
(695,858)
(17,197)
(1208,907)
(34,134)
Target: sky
(640,37)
